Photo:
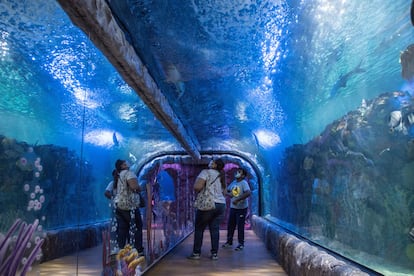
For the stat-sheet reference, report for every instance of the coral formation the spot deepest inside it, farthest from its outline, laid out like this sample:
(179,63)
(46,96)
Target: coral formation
(352,184)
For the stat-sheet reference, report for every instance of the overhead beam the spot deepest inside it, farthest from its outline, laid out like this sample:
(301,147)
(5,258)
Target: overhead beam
(95,18)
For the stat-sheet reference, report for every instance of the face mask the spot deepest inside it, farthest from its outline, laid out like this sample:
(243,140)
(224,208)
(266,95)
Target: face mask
(211,164)
(238,175)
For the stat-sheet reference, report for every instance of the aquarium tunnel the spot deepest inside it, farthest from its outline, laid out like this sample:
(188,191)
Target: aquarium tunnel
(313,98)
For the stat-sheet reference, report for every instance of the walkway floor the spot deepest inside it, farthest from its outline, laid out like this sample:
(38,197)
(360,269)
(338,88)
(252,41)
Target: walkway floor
(253,260)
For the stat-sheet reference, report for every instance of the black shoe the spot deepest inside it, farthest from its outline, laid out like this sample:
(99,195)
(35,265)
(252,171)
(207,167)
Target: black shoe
(214,256)
(194,256)
(227,245)
(240,247)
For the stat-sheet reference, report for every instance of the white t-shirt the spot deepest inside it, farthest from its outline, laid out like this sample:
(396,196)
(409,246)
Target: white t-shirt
(110,187)
(213,175)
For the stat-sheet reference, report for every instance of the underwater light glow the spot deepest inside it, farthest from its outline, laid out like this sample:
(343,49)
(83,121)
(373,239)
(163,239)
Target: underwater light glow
(270,46)
(103,138)
(270,113)
(62,69)
(241,111)
(83,99)
(267,139)
(329,14)
(4,46)
(271,51)
(127,113)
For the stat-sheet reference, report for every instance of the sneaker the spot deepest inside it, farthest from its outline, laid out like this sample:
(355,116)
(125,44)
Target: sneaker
(140,254)
(239,247)
(194,256)
(227,245)
(214,256)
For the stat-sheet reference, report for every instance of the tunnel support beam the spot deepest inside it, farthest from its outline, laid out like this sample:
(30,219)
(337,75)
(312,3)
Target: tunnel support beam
(95,18)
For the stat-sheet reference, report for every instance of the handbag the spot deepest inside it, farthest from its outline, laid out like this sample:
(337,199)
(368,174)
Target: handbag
(205,198)
(127,199)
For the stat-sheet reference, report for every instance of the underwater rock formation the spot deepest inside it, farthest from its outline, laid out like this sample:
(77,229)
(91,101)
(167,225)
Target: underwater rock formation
(59,243)
(353,182)
(43,182)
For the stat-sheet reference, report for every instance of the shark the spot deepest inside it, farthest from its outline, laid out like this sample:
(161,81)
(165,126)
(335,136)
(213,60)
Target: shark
(412,12)
(343,79)
(115,139)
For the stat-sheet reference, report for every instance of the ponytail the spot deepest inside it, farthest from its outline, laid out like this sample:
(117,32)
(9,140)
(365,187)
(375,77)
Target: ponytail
(222,180)
(220,169)
(115,175)
(117,170)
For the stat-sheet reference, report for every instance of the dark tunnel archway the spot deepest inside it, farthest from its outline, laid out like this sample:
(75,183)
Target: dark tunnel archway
(169,216)
(147,170)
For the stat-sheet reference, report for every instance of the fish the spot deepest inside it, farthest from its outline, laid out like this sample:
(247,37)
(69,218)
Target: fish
(384,150)
(364,108)
(360,155)
(395,121)
(115,139)
(411,234)
(134,162)
(364,104)
(412,12)
(132,157)
(408,122)
(343,79)
(409,119)
(174,77)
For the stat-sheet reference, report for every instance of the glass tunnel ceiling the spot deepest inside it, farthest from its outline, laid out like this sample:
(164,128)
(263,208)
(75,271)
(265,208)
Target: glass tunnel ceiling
(190,66)
(245,65)
(221,75)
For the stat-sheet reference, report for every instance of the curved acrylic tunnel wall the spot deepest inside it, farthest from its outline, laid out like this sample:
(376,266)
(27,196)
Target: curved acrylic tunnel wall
(66,116)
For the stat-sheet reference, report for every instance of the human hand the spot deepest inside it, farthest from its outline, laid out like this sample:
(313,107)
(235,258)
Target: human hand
(108,194)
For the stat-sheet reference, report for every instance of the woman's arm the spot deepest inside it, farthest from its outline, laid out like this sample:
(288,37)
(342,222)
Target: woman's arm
(108,194)
(133,184)
(199,184)
(109,190)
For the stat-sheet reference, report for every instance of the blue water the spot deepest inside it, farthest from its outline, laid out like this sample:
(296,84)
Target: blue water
(294,67)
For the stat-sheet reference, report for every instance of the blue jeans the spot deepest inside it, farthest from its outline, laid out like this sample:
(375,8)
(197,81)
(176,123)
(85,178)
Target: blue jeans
(129,221)
(237,217)
(211,219)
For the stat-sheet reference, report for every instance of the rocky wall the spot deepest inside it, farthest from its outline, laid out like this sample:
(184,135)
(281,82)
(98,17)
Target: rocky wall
(59,243)
(297,256)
